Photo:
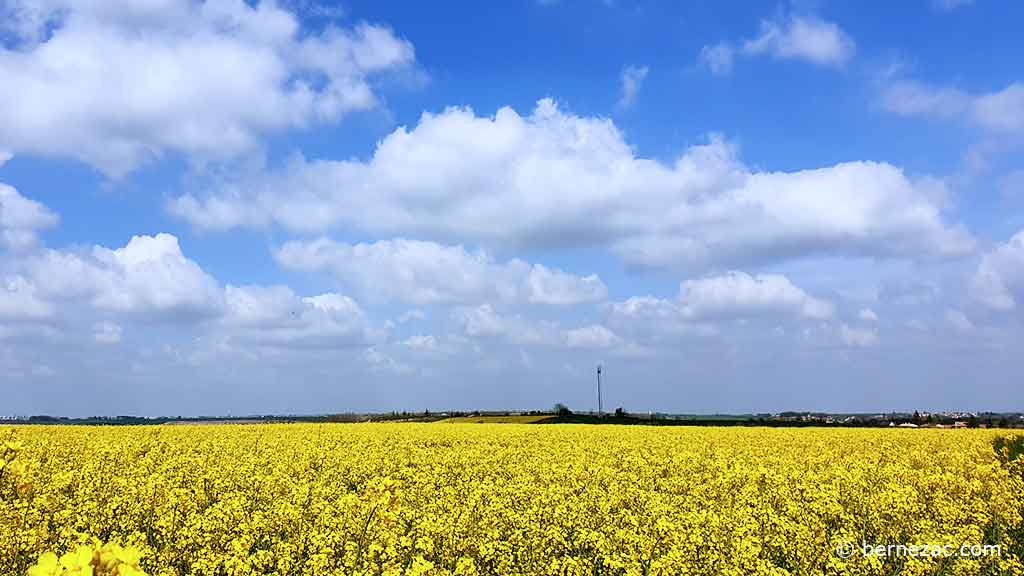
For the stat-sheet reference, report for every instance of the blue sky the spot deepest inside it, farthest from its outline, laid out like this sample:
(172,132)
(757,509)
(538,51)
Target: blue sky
(221,206)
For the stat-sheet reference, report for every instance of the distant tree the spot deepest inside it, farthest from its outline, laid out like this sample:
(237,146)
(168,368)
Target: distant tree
(620,413)
(562,409)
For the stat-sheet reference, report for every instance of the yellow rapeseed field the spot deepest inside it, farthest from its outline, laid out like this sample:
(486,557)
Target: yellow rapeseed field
(501,499)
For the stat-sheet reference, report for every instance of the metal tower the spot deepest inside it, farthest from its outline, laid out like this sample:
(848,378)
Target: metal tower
(599,407)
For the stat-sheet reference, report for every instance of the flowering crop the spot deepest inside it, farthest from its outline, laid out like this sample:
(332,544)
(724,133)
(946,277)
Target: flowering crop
(498,499)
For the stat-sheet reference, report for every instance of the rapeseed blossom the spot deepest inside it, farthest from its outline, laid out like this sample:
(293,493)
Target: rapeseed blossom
(476,499)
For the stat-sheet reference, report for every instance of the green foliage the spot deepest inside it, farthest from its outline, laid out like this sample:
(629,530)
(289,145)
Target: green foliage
(1010,451)
(1008,448)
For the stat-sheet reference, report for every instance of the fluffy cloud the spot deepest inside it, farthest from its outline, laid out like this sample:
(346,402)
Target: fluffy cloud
(999,113)
(151,280)
(594,336)
(124,83)
(553,179)
(810,39)
(816,41)
(21,219)
(913,98)
(996,117)
(430,344)
(276,316)
(485,322)
(656,322)
(421,342)
(552,286)
(958,321)
(738,294)
(632,80)
(704,307)
(999,280)
(151,274)
(421,272)
(19,300)
(718,58)
(867,315)
(855,337)
(148,277)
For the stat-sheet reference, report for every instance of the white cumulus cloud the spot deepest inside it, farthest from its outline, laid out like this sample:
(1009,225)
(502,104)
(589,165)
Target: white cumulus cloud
(855,337)
(739,294)
(21,219)
(151,280)
(999,280)
(806,38)
(275,316)
(150,273)
(718,58)
(421,272)
(811,39)
(20,300)
(485,322)
(709,306)
(593,336)
(867,315)
(632,79)
(124,83)
(998,113)
(553,179)
(959,321)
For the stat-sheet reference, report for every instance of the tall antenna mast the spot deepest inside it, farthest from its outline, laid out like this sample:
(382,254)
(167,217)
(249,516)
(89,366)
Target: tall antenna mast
(599,407)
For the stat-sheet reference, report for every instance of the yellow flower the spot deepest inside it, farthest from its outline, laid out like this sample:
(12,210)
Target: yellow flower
(46,566)
(471,499)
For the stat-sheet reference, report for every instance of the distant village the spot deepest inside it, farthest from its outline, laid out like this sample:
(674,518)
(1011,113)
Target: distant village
(908,420)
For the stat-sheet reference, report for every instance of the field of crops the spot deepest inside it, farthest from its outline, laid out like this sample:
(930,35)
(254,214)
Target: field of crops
(501,499)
